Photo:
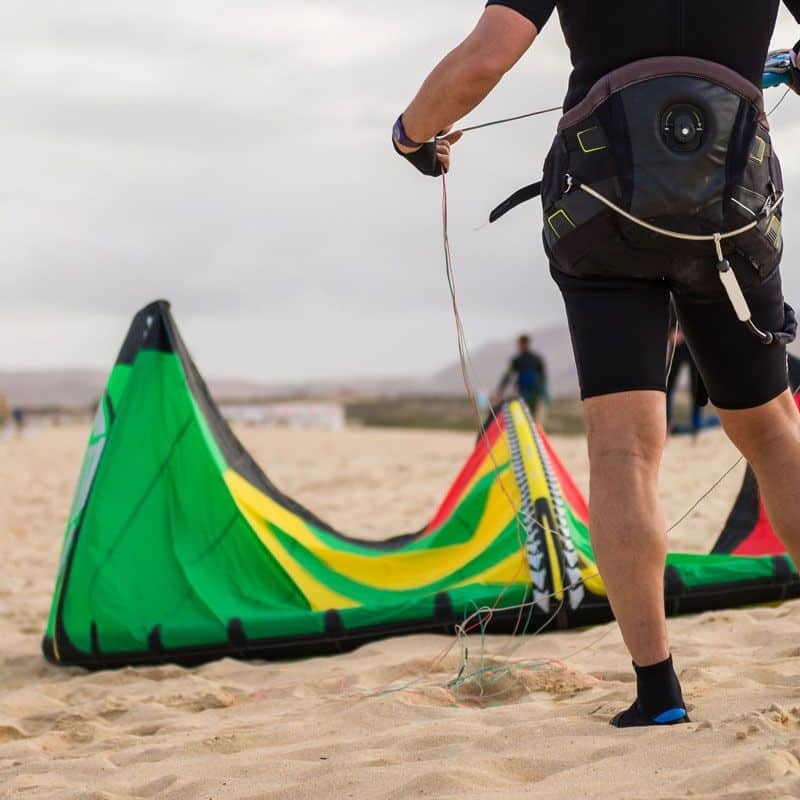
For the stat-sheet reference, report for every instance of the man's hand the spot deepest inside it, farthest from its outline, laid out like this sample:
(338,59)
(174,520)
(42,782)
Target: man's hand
(432,158)
(443,144)
(458,83)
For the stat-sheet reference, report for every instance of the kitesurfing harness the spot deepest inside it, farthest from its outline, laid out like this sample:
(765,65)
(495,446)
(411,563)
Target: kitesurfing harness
(670,149)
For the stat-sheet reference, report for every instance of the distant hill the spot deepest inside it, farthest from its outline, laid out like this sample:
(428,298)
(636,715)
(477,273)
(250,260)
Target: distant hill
(80,388)
(490,359)
(70,388)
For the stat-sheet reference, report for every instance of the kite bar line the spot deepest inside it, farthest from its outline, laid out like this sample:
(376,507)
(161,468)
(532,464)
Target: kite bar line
(553,109)
(481,616)
(509,119)
(467,370)
(560,108)
(779,103)
(770,71)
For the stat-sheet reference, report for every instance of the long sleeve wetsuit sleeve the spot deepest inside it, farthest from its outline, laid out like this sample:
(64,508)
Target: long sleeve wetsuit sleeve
(537,11)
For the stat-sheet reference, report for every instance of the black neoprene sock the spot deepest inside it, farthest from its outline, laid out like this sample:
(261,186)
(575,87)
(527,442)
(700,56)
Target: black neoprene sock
(659,700)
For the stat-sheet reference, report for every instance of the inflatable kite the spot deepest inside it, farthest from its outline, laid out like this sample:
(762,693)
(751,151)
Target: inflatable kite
(179,548)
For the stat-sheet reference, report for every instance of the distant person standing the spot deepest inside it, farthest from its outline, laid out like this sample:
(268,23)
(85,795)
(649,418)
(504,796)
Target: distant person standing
(529,373)
(18,418)
(682,357)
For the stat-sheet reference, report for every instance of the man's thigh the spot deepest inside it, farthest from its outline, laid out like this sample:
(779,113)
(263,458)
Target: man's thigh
(619,332)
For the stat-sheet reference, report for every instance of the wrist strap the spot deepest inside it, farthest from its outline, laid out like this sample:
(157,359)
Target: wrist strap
(401,137)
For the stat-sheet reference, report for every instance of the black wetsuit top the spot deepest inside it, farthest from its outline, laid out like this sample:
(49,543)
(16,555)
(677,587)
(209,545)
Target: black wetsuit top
(531,374)
(602,36)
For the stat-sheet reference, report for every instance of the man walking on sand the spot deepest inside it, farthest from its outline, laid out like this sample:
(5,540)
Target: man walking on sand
(528,372)
(664,123)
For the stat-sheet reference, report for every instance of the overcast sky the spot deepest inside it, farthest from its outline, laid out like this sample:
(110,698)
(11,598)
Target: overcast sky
(234,158)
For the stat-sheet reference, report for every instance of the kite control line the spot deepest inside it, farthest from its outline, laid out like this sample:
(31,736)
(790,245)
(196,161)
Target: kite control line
(509,119)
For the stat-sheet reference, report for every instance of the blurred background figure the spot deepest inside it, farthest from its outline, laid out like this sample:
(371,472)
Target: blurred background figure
(698,396)
(528,373)
(18,419)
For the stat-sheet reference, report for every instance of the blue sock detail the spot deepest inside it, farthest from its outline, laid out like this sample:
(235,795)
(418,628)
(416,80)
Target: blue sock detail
(671,715)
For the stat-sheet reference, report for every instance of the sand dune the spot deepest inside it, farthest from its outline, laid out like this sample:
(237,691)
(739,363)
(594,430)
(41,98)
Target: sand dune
(388,721)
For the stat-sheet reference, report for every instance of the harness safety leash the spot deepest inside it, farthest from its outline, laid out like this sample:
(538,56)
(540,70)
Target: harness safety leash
(726,274)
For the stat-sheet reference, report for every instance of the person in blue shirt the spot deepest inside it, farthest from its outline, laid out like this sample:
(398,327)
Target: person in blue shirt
(528,372)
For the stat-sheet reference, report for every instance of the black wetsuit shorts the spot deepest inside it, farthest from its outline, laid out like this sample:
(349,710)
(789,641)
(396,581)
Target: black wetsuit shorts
(619,330)
(619,327)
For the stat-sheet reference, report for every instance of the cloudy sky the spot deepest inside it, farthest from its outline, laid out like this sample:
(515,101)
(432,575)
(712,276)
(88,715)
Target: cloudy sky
(233,157)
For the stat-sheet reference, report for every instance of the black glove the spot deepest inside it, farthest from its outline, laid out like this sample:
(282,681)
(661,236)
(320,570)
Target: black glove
(795,68)
(424,159)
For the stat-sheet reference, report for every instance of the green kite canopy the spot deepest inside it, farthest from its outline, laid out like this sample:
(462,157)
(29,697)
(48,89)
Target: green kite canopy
(179,548)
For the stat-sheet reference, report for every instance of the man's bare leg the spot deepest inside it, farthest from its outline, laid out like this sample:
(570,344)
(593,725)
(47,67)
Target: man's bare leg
(626,434)
(769,438)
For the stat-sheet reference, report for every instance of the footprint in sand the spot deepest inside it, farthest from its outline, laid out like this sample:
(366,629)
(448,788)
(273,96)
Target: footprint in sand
(202,701)
(11,733)
(498,682)
(156,787)
(755,774)
(765,720)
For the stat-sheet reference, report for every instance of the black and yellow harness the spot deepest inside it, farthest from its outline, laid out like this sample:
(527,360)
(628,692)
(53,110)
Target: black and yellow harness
(673,150)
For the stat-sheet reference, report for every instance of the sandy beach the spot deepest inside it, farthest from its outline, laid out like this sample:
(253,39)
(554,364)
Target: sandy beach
(382,722)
